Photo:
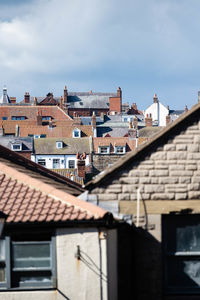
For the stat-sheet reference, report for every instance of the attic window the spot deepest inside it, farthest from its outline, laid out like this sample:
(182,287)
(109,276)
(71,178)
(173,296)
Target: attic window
(59,144)
(104,149)
(120,149)
(46,118)
(76,133)
(21,118)
(17,147)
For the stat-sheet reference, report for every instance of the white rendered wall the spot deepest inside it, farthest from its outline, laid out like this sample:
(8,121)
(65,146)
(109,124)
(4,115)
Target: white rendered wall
(158,112)
(64,158)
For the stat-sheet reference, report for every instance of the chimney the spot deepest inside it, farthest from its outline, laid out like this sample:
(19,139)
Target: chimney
(186,108)
(65,94)
(26,98)
(155,98)
(119,92)
(90,92)
(93,120)
(13,100)
(148,120)
(61,102)
(35,101)
(168,119)
(81,168)
(130,125)
(135,122)
(102,116)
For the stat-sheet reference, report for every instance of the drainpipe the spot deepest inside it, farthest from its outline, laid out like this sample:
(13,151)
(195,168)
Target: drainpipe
(138,208)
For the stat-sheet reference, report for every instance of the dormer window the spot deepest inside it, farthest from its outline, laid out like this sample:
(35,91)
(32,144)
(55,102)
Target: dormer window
(17,147)
(76,133)
(104,150)
(46,118)
(18,118)
(120,149)
(59,144)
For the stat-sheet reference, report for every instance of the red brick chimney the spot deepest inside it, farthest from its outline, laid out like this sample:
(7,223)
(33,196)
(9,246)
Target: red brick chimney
(148,120)
(93,120)
(115,103)
(81,168)
(119,92)
(26,98)
(155,98)
(134,106)
(65,94)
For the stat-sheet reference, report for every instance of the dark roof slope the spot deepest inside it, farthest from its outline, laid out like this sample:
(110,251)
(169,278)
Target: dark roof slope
(143,150)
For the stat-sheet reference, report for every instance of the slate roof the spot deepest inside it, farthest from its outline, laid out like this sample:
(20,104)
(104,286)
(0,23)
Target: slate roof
(27,142)
(149,131)
(28,200)
(143,149)
(112,131)
(70,146)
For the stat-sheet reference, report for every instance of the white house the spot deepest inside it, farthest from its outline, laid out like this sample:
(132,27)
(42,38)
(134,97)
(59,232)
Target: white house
(157,111)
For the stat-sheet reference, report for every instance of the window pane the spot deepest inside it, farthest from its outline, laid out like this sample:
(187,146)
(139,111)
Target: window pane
(31,256)
(2,274)
(2,249)
(31,277)
(183,272)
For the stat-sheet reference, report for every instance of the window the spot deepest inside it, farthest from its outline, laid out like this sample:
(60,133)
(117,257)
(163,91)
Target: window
(56,163)
(181,238)
(120,149)
(42,161)
(71,164)
(46,118)
(14,118)
(42,136)
(76,133)
(104,149)
(4,118)
(27,264)
(59,145)
(17,147)
(36,136)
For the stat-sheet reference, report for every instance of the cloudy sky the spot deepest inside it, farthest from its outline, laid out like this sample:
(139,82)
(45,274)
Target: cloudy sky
(143,46)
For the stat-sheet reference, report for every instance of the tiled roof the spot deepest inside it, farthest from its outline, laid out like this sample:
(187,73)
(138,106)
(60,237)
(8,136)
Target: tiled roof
(149,131)
(70,145)
(26,199)
(26,142)
(163,134)
(113,141)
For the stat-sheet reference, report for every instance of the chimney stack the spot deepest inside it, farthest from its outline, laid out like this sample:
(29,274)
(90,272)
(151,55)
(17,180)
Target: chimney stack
(135,122)
(119,92)
(81,168)
(148,120)
(155,98)
(26,98)
(61,102)
(13,100)
(186,108)
(93,120)
(134,106)
(65,94)
(35,101)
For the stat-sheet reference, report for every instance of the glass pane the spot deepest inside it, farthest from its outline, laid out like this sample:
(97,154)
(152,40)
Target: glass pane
(28,278)
(2,249)
(188,238)
(31,255)
(183,272)
(2,274)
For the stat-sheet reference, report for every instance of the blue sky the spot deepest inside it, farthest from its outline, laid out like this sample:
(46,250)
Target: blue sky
(143,46)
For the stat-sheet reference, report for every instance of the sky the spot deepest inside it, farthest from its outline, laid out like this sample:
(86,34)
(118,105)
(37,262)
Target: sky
(143,46)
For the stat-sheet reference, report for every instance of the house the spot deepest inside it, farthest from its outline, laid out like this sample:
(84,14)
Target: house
(157,111)
(81,103)
(157,187)
(54,245)
(23,146)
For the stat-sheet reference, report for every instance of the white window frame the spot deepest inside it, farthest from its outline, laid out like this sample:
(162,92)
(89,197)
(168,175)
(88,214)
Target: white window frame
(103,147)
(59,144)
(43,160)
(17,144)
(120,152)
(76,131)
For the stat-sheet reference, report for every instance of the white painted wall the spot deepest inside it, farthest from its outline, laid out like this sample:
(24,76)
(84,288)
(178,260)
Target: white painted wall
(158,112)
(64,159)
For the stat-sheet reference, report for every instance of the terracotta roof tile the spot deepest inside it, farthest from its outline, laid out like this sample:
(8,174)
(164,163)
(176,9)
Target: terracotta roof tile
(24,203)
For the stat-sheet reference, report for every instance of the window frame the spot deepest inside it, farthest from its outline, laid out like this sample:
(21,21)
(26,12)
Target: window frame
(104,147)
(70,160)
(9,270)
(120,152)
(41,159)
(16,144)
(76,131)
(172,256)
